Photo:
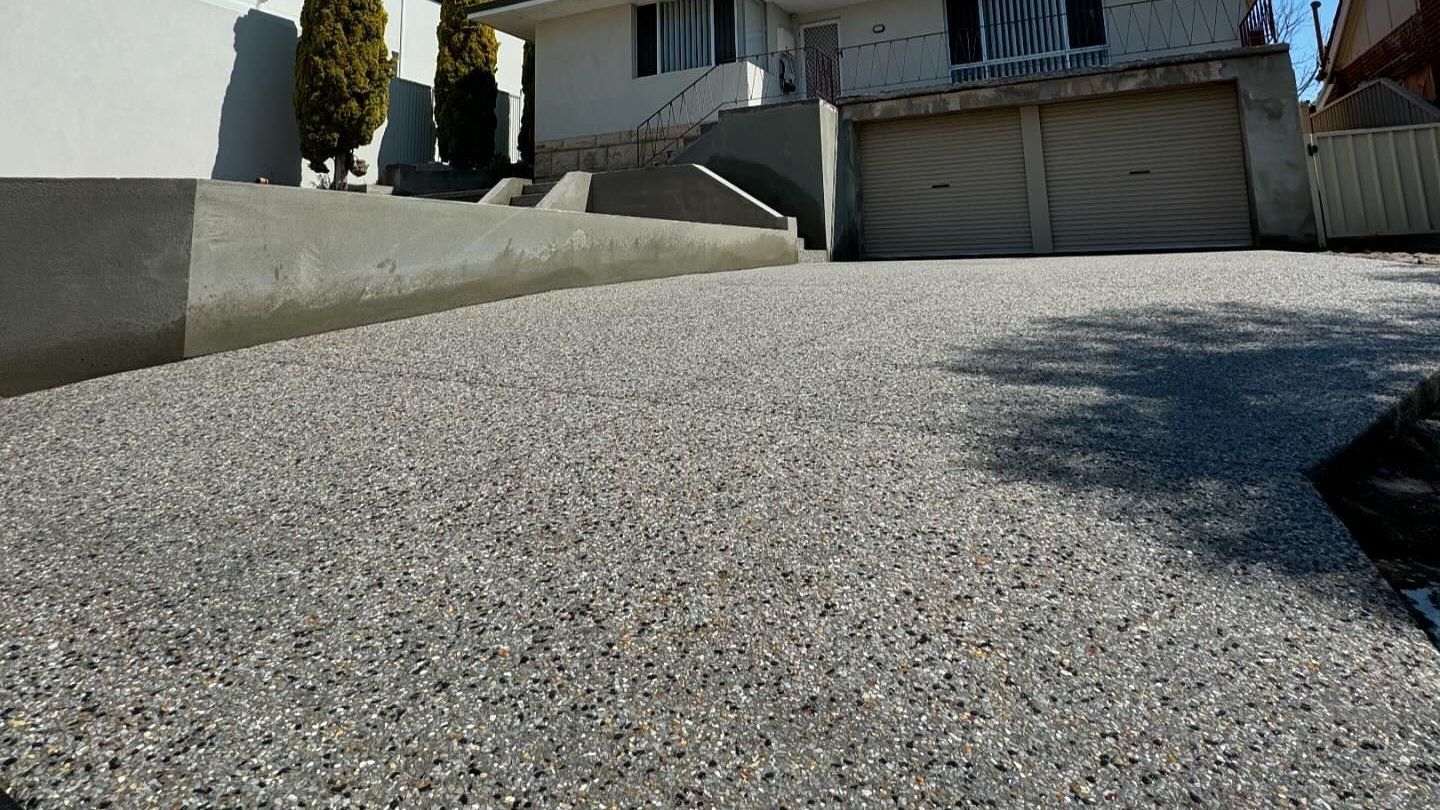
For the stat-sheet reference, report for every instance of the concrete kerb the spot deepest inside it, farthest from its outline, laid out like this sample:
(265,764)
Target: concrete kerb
(231,265)
(571,193)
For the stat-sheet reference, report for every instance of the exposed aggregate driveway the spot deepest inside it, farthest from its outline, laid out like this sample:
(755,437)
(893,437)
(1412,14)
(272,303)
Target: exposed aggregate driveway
(1018,532)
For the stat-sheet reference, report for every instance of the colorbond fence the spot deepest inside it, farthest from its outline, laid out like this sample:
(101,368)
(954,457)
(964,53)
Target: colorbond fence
(1378,182)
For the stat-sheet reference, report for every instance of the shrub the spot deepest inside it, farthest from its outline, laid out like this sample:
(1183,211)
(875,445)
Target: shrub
(342,81)
(465,89)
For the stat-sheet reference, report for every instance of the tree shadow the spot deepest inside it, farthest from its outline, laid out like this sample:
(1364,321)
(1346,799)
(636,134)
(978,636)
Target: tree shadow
(1415,277)
(258,136)
(1212,415)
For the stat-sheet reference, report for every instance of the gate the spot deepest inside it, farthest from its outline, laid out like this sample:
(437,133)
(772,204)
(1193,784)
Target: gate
(1377,182)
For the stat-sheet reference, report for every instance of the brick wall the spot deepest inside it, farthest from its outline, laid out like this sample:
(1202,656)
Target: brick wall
(607,152)
(587,153)
(1413,46)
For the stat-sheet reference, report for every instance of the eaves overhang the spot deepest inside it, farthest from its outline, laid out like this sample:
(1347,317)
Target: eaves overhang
(520,17)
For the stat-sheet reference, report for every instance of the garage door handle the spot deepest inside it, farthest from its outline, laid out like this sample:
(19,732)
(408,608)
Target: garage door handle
(1140,171)
(939,185)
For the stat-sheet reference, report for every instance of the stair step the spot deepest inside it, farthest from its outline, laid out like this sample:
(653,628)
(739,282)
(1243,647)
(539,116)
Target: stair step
(526,200)
(537,188)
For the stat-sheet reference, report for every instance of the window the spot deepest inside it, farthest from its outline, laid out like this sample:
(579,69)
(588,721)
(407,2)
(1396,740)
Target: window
(754,26)
(645,39)
(683,34)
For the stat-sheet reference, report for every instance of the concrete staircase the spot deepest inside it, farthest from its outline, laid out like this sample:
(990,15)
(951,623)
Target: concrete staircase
(673,150)
(532,194)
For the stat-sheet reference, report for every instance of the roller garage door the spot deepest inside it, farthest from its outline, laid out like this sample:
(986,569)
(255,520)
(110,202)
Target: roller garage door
(945,185)
(1150,170)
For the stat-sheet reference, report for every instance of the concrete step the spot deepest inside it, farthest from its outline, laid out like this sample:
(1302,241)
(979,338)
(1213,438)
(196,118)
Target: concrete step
(460,195)
(532,194)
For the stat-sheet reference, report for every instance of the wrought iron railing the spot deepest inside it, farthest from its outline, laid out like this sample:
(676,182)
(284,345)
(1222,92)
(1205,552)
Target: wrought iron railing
(748,81)
(1258,28)
(1078,35)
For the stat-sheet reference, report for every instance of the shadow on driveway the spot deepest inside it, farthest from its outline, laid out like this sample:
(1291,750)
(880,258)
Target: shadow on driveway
(1424,277)
(1211,415)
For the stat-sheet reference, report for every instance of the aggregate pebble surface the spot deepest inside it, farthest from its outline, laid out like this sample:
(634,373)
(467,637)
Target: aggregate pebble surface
(1011,532)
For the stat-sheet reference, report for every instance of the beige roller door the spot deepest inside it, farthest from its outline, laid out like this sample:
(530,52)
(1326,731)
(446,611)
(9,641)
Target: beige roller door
(1150,170)
(944,186)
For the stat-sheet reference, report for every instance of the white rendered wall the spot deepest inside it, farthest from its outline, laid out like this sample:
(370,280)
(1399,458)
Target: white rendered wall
(176,88)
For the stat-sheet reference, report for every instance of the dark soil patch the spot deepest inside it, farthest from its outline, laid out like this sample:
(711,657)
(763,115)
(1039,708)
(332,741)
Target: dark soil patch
(1386,489)
(1417,250)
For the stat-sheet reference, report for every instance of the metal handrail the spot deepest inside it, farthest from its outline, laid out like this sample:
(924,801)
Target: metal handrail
(687,89)
(1258,27)
(731,84)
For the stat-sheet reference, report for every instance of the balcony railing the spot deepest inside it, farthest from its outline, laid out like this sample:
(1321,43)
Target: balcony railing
(1258,28)
(1003,39)
(750,81)
(1005,43)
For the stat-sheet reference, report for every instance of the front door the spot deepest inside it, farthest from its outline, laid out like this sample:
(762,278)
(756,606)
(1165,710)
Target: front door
(822,60)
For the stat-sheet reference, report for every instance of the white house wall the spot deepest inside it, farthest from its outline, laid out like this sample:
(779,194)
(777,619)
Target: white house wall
(901,18)
(176,88)
(585,81)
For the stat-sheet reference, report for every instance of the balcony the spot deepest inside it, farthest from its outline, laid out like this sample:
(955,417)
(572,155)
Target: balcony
(1006,39)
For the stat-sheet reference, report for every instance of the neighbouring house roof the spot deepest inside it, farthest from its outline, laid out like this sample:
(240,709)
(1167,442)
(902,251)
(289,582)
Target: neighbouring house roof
(1337,31)
(1377,103)
(1340,30)
(519,17)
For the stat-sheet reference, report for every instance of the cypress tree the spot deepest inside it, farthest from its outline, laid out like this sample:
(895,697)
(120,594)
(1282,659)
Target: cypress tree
(342,81)
(465,88)
(527,114)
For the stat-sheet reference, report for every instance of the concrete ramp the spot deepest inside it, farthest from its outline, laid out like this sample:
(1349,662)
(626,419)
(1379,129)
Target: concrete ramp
(684,192)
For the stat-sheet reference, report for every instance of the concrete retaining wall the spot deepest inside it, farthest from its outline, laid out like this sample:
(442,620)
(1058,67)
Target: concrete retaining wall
(685,192)
(784,155)
(108,275)
(93,277)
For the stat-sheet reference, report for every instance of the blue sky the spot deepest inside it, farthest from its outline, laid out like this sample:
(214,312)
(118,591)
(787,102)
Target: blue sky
(1302,48)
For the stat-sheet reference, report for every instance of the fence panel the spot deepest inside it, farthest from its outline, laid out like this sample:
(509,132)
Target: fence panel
(1378,182)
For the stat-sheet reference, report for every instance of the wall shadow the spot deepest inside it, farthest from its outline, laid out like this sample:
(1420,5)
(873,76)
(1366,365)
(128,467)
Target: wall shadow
(1212,414)
(258,136)
(409,134)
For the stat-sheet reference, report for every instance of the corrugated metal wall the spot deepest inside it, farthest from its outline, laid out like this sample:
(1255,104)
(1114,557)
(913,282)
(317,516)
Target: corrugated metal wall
(1379,182)
(409,136)
(507,125)
(1379,103)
